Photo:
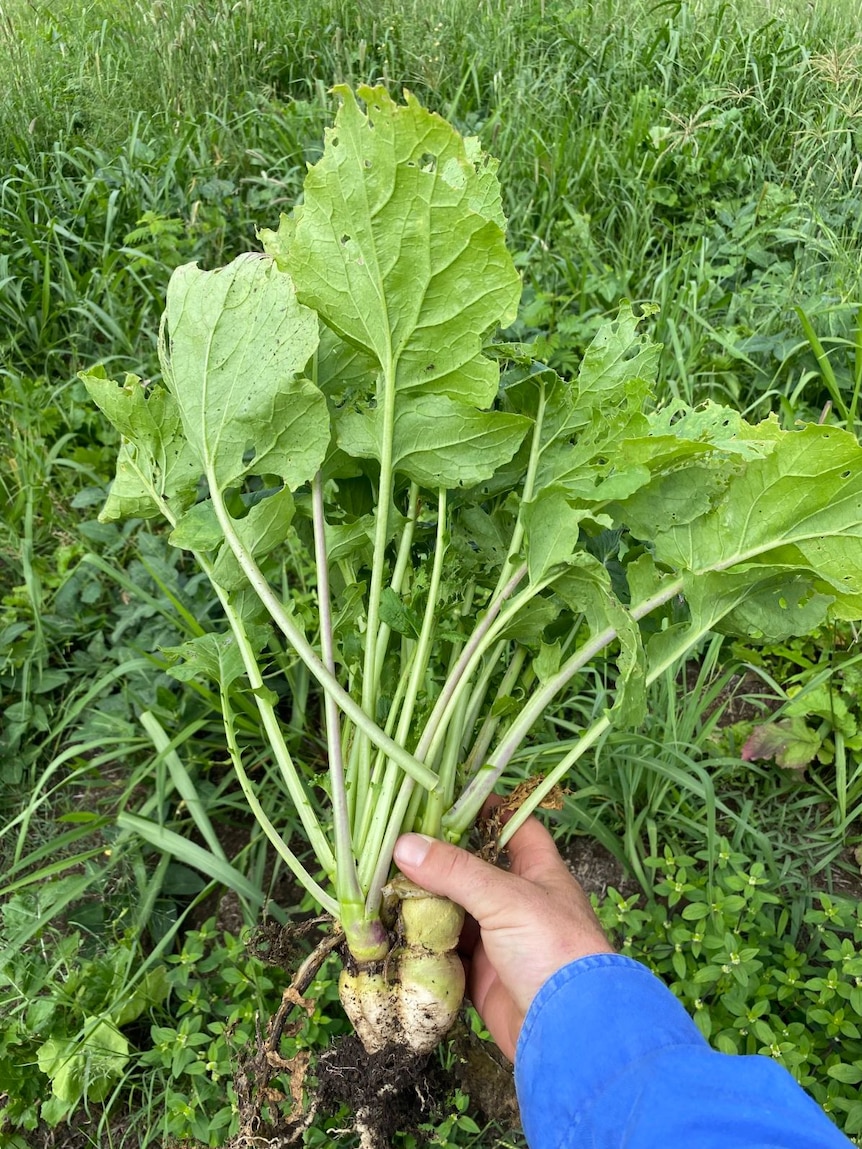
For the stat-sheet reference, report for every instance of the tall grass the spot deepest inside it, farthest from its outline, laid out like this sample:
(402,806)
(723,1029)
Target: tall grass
(703,155)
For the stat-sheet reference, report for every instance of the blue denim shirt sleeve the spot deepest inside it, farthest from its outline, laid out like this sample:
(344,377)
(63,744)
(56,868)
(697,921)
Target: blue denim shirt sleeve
(609,1059)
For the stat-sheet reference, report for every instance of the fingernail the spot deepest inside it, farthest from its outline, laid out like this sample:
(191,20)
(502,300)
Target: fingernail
(412,849)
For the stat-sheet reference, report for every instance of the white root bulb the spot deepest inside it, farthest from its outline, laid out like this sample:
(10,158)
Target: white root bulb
(413,997)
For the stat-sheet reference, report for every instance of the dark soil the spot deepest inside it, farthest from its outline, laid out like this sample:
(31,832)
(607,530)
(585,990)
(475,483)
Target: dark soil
(390,1092)
(745,697)
(597,869)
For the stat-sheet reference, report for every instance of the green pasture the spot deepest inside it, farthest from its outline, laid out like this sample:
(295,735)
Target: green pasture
(705,157)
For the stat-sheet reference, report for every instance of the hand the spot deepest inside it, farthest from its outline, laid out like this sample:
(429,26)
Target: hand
(531,921)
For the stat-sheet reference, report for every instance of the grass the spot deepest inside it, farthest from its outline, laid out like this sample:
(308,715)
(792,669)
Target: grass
(697,155)
(700,155)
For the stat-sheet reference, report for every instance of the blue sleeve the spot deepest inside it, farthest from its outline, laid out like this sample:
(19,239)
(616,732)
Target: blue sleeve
(609,1059)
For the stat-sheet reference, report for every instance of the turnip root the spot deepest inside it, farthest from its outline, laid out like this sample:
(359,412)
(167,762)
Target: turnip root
(413,996)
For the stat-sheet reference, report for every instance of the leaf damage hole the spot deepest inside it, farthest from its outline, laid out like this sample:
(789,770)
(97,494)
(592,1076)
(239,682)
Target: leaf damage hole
(846,474)
(368,163)
(345,239)
(428,162)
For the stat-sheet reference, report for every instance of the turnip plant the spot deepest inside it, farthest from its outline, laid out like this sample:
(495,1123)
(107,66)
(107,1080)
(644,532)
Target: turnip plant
(482,530)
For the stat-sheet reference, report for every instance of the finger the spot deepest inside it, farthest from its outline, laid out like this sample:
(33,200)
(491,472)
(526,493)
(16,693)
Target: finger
(482,889)
(502,1019)
(533,855)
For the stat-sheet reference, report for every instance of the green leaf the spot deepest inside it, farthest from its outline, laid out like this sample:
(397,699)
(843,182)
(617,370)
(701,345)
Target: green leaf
(619,367)
(399,246)
(847,1074)
(547,661)
(198,529)
(152,989)
(233,346)
(398,616)
(799,506)
(437,442)
(87,1065)
(585,587)
(154,461)
(260,531)
(551,527)
(824,702)
(585,427)
(695,911)
(210,656)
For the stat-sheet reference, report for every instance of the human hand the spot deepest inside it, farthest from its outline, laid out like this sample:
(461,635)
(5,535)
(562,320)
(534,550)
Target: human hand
(527,922)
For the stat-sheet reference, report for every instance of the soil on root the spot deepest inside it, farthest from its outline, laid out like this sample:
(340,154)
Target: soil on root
(389,1092)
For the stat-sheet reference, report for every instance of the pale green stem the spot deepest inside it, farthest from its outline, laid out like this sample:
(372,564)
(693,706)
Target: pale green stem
(362,721)
(459,678)
(441,800)
(688,640)
(346,881)
(526,493)
(469,656)
(295,788)
(384,859)
(492,721)
(411,818)
(479,692)
(370,667)
(363,802)
(402,565)
(467,808)
(378,770)
(290,859)
(383,801)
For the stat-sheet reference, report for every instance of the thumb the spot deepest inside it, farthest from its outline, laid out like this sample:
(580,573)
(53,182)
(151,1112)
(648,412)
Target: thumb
(441,868)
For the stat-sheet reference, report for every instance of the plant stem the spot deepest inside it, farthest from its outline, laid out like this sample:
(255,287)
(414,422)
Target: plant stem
(383,801)
(408,763)
(436,725)
(377,772)
(441,800)
(300,799)
(290,859)
(526,492)
(346,881)
(467,808)
(384,857)
(492,721)
(363,802)
(295,788)
(688,641)
(371,665)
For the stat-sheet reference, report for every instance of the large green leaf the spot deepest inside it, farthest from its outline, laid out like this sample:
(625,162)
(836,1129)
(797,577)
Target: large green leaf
(399,245)
(585,424)
(87,1065)
(799,507)
(236,342)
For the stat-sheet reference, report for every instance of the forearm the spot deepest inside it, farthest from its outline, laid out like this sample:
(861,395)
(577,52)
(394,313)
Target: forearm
(608,1058)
